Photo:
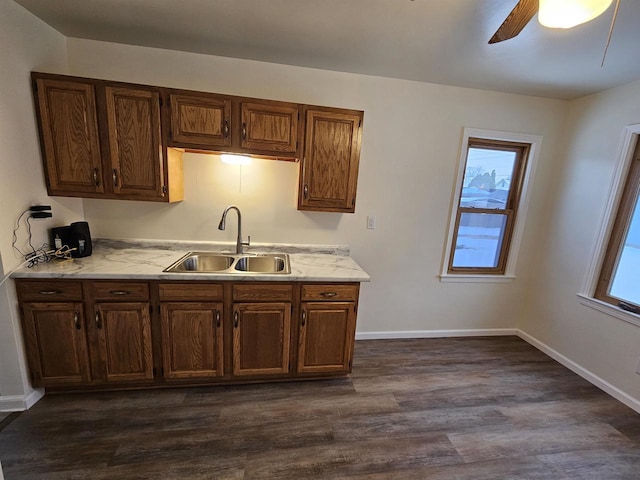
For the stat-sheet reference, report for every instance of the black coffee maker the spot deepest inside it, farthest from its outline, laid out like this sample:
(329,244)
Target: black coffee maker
(75,236)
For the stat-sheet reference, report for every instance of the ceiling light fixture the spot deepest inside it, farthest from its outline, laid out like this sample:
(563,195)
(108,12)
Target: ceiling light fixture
(569,13)
(235,159)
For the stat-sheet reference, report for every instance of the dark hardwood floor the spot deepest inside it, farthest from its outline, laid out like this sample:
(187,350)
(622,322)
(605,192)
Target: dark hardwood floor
(470,408)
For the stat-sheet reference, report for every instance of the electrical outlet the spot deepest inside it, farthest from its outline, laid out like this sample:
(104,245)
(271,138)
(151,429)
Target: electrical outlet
(371,222)
(638,367)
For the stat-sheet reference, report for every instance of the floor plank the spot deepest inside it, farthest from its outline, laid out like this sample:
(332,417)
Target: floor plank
(461,408)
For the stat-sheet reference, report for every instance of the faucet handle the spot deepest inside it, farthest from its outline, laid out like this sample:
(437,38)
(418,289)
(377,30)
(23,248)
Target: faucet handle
(248,242)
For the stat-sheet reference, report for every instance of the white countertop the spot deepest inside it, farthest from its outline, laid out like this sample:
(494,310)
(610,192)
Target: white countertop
(144,260)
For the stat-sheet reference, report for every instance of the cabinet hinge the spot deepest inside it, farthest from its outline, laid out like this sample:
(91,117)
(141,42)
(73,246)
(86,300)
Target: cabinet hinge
(160,100)
(164,190)
(353,202)
(350,364)
(158,309)
(289,365)
(155,372)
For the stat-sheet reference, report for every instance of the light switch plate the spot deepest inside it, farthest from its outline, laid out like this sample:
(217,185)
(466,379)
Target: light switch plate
(371,222)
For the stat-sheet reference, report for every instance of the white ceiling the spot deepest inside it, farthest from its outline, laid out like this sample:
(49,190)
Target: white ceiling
(438,41)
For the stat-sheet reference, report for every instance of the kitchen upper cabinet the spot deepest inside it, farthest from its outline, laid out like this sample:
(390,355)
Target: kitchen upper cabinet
(200,121)
(261,338)
(233,124)
(68,124)
(56,343)
(104,140)
(329,171)
(270,127)
(135,147)
(192,336)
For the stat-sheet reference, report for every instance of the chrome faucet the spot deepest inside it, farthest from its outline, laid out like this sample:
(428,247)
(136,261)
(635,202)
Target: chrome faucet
(221,225)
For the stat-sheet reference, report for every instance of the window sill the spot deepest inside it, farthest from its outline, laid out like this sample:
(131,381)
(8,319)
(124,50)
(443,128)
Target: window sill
(466,278)
(609,309)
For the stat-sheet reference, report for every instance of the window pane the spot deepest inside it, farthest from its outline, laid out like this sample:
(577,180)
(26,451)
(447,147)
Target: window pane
(626,277)
(487,178)
(479,240)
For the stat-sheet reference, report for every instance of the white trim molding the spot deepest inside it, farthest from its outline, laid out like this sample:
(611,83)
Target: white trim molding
(18,403)
(591,377)
(609,309)
(481,332)
(534,153)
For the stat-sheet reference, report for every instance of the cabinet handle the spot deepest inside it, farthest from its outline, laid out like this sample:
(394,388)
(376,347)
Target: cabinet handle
(96,181)
(119,292)
(114,174)
(235,320)
(244,131)
(218,318)
(305,191)
(328,294)
(98,321)
(225,129)
(49,292)
(304,318)
(76,320)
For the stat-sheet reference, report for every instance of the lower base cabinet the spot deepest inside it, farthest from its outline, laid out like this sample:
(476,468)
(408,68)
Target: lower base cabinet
(88,334)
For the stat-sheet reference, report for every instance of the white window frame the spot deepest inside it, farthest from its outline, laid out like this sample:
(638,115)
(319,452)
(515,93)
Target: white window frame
(630,137)
(512,257)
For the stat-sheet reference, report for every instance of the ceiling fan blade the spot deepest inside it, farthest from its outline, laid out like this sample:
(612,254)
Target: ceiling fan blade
(516,20)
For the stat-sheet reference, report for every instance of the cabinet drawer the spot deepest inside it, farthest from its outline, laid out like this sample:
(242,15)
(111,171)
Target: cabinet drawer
(191,291)
(329,292)
(125,291)
(49,290)
(263,293)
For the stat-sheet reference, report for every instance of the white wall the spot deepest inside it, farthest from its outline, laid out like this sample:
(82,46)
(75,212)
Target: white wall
(411,140)
(27,44)
(606,346)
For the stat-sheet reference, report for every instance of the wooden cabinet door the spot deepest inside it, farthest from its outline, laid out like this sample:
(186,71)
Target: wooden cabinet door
(325,342)
(269,127)
(124,340)
(133,122)
(56,343)
(200,121)
(192,340)
(261,338)
(330,163)
(69,132)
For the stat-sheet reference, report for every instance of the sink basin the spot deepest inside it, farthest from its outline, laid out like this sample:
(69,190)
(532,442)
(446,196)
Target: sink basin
(209,262)
(262,264)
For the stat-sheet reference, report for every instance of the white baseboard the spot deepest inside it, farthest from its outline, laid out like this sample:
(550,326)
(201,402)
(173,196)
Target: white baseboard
(615,392)
(18,403)
(481,332)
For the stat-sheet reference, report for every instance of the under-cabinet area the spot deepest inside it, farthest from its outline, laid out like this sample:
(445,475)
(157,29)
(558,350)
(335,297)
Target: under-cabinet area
(101,334)
(106,139)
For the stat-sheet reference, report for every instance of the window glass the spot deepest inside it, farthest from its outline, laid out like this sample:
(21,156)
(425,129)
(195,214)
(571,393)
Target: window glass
(479,240)
(487,178)
(625,284)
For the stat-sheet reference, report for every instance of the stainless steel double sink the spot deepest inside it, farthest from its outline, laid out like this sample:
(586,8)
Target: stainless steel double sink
(209,262)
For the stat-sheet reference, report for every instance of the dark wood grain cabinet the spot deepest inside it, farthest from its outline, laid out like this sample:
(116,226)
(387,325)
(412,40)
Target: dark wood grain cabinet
(329,171)
(120,334)
(104,140)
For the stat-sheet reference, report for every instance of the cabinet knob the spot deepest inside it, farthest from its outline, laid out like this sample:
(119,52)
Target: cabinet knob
(98,320)
(244,131)
(114,175)
(76,320)
(304,318)
(218,318)
(119,292)
(305,191)
(96,180)
(225,129)
(328,294)
(235,320)
(49,292)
